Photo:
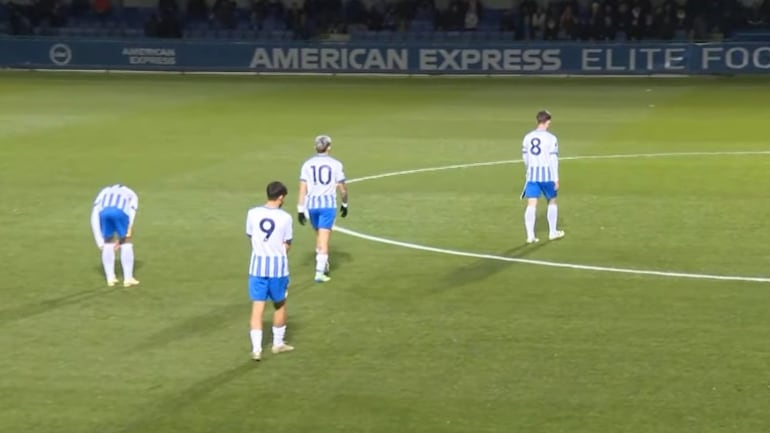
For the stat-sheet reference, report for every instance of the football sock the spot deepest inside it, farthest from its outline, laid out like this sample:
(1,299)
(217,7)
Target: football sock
(529,221)
(127,261)
(553,213)
(278,333)
(320,263)
(108,261)
(256,340)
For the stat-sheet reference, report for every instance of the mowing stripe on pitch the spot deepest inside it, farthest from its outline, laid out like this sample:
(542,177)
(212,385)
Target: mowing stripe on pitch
(671,274)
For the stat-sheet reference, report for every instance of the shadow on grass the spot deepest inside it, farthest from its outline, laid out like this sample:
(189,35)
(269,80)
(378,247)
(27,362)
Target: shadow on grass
(482,269)
(196,326)
(138,264)
(11,315)
(337,259)
(164,410)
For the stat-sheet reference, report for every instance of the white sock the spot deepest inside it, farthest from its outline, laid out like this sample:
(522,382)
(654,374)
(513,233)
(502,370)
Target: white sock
(320,263)
(256,340)
(127,260)
(529,221)
(553,215)
(108,261)
(278,334)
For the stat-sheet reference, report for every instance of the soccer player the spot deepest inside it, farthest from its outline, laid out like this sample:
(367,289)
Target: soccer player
(540,152)
(112,222)
(319,180)
(270,229)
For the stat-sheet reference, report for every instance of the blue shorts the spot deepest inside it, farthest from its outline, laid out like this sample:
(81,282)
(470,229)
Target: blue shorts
(264,288)
(322,218)
(113,220)
(535,189)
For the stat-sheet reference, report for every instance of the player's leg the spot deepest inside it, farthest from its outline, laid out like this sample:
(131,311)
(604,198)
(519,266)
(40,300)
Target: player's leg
(108,228)
(531,193)
(258,294)
(549,189)
(322,255)
(126,251)
(278,291)
(324,224)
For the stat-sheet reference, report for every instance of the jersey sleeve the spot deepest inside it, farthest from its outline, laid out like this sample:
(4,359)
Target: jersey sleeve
(305,173)
(249,228)
(100,196)
(288,232)
(553,158)
(524,152)
(133,206)
(340,174)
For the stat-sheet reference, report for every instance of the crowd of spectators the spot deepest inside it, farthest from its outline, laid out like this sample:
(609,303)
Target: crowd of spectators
(528,20)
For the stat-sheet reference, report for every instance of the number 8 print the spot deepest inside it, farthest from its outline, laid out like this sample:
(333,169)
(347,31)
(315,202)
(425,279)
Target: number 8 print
(534,146)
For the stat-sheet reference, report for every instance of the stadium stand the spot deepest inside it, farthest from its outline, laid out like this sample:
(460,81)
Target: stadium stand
(395,21)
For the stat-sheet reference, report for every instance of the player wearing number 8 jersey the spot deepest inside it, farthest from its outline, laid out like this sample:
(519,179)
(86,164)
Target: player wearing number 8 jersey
(320,177)
(540,153)
(270,230)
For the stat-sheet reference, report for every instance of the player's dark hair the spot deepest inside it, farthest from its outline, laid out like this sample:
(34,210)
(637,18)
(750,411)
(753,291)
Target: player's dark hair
(275,190)
(543,116)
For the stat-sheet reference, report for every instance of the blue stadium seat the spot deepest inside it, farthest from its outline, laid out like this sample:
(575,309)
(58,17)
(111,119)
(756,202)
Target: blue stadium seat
(384,35)
(133,33)
(426,35)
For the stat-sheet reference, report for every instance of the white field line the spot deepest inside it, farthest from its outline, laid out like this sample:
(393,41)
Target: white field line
(670,274)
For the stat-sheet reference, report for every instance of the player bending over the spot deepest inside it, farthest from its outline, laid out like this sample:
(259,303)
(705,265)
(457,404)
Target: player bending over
(270,230)
(112,222)
(319,180)
(540,152)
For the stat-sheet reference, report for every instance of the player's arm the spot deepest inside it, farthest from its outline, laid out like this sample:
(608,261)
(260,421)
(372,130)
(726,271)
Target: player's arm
(525,153)
(288,234)
(343,188)
(301,208)
(553,159)
(249,229)
(96,226)
(132,209)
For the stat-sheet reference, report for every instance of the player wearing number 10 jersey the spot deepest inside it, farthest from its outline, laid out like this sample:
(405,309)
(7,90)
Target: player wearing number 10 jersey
(270,230)
(540,152)
(320,177)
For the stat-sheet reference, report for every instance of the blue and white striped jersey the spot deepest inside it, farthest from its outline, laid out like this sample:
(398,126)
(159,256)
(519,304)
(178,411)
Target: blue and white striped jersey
(540,152)
(269,229)
(322,173)
(118,196)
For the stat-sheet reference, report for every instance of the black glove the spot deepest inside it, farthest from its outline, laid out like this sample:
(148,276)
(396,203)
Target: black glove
(301,218)
(344,210)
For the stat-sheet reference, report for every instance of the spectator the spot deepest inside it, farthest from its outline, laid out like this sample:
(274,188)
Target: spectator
(197,9)
(471,17)
(152,26)
(102,8)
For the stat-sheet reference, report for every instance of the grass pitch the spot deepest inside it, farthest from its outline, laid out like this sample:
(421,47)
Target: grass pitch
(400,340)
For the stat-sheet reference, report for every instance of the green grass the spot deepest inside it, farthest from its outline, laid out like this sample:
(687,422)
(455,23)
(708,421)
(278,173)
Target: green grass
(400,340)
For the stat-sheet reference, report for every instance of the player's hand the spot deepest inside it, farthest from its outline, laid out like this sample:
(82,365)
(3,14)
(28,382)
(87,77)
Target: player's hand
(344,210)
(556,185)
(301,218)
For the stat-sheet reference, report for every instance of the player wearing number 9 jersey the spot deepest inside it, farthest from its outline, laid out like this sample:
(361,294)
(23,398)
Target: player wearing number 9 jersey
(320,177)
(270,230)
(540,153)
